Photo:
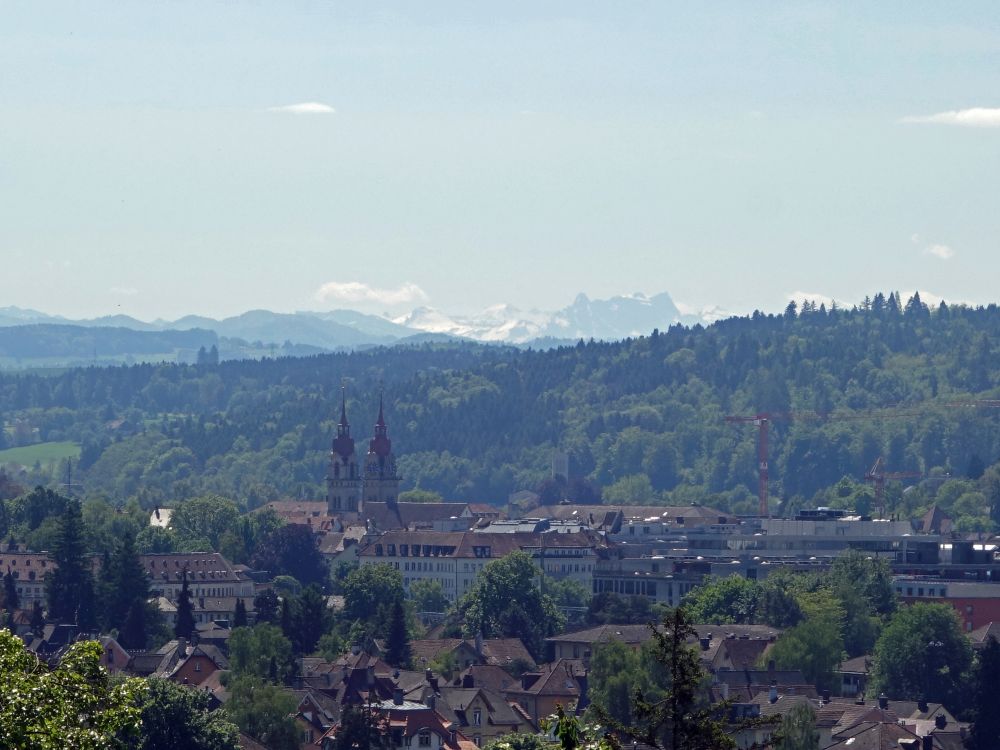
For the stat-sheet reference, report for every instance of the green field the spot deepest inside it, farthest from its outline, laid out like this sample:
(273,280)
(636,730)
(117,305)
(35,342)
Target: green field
(41,452)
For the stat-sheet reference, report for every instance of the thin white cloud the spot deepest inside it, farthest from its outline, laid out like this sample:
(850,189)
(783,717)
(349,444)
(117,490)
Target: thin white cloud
(940,251)
(975,117)
(125,291)
(356,291)
(305,108)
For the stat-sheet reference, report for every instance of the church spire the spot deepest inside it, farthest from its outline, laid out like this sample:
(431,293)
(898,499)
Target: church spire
(344,427)
(343,444)
(380,443)
(381,419)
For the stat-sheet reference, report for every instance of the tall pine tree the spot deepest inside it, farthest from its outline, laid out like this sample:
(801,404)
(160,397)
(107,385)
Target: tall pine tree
(240,617)
(398,643)
(125,583)
(71,584)
(133,632)
(184,627)
(11,600)
(986,727)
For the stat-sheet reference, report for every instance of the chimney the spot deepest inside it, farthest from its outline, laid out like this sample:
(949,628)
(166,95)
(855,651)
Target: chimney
(397,696)
(922,705)
(772,694)
(479,645)
(468,680)
(428,674)
(182,647)
(826,697)
(883,701)
(770,668)
(705,643)
(940,721)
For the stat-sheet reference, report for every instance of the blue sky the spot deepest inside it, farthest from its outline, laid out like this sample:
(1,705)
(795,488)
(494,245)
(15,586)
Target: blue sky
(156,159)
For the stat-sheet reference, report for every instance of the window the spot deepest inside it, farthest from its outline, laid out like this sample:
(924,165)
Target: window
(477,718)
(478,740)
(424,738)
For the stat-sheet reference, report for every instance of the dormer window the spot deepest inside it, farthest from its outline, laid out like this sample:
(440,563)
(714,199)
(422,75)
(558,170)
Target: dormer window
(424,738)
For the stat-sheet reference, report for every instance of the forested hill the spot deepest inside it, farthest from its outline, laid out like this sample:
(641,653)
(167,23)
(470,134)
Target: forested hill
(642,418)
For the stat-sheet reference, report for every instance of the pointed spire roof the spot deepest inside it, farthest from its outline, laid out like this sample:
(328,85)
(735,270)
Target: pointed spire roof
(380,444)
(343,444)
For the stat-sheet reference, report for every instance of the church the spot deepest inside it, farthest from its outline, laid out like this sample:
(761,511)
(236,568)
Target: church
(349,487)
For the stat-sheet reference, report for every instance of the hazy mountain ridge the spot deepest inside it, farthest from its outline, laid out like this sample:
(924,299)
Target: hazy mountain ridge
(262,330)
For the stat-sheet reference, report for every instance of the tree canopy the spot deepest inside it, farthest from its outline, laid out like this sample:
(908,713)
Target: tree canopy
(76,704)
(922,654)
(505,601)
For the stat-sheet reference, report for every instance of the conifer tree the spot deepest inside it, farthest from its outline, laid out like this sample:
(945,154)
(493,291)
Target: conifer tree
(71,583)
(184,626)
(11,600)
(133,632)
(986,727)
(398,645)
(124,584)
(240,617)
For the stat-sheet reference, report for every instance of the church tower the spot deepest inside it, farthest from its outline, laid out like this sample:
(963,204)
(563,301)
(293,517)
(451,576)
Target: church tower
(343,479)
(381,481)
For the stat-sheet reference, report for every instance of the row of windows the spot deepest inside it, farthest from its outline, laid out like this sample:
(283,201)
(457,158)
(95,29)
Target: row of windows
(446,583)
(569,568)
(628,586)
(415,550)
(428,566)
(27,562)
(931,591)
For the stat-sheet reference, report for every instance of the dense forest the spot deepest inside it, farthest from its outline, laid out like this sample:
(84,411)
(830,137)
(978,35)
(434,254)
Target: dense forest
(643,419)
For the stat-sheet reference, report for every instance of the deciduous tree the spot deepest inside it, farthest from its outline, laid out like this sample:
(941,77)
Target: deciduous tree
(922,653)
(74,705)
(175,717)
(505,601)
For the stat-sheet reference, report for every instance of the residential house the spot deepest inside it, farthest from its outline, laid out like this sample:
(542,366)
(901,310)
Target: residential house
(853,675)
(561,683)
(413,725)
(501,652)
(481,714)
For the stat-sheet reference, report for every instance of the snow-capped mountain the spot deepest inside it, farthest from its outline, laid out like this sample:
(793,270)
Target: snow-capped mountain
(615,318)
(260,331)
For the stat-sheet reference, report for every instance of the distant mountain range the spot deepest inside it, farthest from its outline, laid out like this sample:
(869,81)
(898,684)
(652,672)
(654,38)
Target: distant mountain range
(260,332)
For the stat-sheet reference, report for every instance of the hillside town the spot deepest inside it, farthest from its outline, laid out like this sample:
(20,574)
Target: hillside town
(411,582)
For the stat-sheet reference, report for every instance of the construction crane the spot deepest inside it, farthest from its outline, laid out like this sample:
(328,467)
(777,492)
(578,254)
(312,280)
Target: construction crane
(877,475)
(763,420)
